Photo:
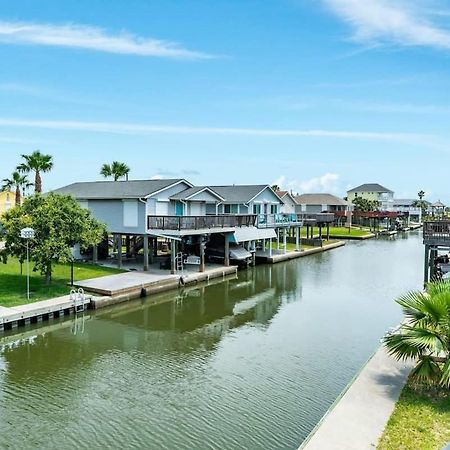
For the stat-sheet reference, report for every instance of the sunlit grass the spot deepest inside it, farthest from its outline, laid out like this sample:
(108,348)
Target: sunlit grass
(420,421)
(13,283)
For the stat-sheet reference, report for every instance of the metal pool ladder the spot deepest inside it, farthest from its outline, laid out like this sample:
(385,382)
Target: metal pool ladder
(78,298)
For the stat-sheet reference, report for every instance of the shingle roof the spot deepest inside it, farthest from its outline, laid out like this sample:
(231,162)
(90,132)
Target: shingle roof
(438,204)
(186,194)
(239,193)
(321,199)
(370,187)
(283,194)
(115,189)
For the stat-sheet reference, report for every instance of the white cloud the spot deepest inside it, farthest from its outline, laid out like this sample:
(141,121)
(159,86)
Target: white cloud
(91,38)
(328,183)
(148,129)
(391,21)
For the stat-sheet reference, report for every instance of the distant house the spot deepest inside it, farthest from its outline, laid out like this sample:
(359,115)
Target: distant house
(7,201)
(373,191)
(289,205)
(406,207)
(437,208)
(319,203)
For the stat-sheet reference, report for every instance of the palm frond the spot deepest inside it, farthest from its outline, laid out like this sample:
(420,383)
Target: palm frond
(427,371)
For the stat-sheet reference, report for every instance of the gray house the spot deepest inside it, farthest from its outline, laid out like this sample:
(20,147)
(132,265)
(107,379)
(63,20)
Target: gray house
(319,203)
(142,211)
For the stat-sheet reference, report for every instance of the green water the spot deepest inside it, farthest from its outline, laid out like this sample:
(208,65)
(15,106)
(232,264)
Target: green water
(251,363)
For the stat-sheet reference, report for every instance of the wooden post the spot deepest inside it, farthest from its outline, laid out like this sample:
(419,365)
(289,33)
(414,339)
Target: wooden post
(297,239)
(426,276)
(173,255)
(119,250)
(202,254)
(270,248)
(328,231)
(284,241)
(146,252)
(226,251)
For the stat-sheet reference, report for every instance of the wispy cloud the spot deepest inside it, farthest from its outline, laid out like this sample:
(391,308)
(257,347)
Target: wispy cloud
(148,129)
(328,182)
(391,22)
(92,38)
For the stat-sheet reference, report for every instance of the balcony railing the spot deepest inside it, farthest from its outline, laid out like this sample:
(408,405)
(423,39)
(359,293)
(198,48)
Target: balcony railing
(436,231)
(317,218)
(274,220)
(179,223)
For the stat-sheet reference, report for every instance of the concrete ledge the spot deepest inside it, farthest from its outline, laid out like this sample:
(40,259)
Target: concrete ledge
(295,254)
(154,287)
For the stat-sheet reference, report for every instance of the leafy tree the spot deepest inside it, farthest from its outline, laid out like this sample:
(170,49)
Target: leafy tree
(425,334)
(38,163)
(116,170)
(365,205)
(59,223)
(17,182)
(275,188)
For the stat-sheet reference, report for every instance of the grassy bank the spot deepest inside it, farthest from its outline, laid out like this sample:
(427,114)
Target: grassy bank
(420,421)
(346,232)
(13,284)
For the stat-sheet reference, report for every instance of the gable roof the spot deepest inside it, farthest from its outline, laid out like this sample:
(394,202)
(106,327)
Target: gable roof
(241,193)
(438,204)
(283,194)
(116,190)
(193,191)
(321,199)
(370,187)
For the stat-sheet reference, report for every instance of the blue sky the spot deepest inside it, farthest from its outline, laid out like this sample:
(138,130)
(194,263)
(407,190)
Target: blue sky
(318,95)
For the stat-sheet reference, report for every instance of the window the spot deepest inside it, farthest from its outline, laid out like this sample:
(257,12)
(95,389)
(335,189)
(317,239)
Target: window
(256,209)
(130,213)
(231,209)
(273,209)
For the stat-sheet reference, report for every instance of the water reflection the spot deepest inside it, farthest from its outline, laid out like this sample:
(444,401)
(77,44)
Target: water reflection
(251,362)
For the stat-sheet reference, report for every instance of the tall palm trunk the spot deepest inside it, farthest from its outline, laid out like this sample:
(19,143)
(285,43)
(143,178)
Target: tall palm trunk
(37,182)
(17,195)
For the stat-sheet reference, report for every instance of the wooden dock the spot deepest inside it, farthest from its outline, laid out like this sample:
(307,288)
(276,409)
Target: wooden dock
(38,311)
(122,287)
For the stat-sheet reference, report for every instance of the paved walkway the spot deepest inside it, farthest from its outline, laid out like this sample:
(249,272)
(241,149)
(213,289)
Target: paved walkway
(358,420)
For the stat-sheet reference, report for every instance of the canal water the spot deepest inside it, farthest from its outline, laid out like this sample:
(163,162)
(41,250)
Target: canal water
(251,363)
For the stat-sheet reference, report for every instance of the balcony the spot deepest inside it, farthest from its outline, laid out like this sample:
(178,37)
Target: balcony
(278,220)
(318,218)
(436,232)
(183,223)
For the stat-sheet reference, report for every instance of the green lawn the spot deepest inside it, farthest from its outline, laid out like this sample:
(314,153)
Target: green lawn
(343,231)
(420,421)
(291,247)
(13,284)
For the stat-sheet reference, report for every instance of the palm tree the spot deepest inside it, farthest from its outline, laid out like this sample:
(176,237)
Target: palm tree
(37,162)
(116,170)
(16,182)
(421,195)
(425,334)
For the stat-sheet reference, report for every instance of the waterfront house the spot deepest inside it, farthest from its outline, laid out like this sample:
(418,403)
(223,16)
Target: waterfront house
(406,208)
(373,191)
(321,203)
(289,205)
(7,201)
(141,211)
(437,208)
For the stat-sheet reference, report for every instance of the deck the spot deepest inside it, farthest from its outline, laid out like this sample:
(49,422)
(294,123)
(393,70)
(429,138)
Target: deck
(436,233)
